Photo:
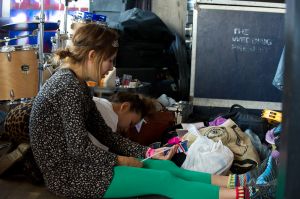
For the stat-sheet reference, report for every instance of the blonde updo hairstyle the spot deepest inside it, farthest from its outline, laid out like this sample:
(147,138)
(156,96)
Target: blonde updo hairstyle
(86,38)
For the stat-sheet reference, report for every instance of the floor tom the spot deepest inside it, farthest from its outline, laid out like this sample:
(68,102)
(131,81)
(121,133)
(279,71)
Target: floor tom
(18,72)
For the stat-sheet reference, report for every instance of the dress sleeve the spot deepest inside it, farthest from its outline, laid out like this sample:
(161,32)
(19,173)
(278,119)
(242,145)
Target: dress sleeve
(115,141)
(72,113)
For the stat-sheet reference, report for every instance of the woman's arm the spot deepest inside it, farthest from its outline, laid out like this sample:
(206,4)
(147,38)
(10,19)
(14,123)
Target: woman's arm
(72,112)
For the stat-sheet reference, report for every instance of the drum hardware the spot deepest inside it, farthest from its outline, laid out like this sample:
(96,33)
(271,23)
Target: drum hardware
(47,66)
(66,16)
(29,26)
(59,41)
(25,69)
(12,95)
(6,42)
(41,19)
(55,41)
(8,55)
(8,48)
(7,39)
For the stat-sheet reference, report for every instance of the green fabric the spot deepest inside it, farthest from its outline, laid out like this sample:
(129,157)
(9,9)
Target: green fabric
(160,177)
(178,172)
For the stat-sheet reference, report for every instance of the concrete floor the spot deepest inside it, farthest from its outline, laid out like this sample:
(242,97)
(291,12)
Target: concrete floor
(19,188)
(22,189)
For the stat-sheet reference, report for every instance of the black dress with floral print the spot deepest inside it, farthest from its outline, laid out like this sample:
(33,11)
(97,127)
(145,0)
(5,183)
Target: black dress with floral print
(62,115)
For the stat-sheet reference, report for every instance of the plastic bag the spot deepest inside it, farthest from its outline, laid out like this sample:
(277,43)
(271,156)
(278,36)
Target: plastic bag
(207,156)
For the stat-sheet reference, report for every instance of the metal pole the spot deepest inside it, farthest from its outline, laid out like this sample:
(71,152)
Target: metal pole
(289,175)
(65,16)
(41,44)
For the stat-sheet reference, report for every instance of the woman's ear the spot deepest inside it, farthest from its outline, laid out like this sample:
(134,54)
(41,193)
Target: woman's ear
(125,106)
(91,55)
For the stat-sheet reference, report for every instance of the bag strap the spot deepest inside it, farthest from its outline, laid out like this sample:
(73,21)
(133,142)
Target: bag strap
(237,107)
(234,109)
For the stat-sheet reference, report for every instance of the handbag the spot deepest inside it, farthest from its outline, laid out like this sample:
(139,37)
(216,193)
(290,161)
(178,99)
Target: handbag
(246,120)
(17,123)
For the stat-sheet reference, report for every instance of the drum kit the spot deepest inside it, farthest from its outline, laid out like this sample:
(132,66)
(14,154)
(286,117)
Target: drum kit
(24,68)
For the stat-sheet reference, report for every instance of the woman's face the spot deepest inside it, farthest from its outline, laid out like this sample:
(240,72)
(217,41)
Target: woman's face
(127,119)
(107,65)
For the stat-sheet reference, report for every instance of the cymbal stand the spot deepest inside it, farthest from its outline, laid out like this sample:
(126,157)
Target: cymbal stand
(41,19)
(60,35)
(66,16)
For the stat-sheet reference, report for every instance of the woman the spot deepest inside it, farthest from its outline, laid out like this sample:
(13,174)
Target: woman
(63,114)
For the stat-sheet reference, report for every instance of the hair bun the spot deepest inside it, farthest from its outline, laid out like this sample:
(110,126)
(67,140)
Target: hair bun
(63,53)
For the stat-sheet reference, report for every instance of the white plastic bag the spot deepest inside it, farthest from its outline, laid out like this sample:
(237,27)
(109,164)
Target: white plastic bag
(207,156)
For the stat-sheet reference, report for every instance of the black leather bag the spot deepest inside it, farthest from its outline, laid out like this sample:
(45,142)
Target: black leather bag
(246,120)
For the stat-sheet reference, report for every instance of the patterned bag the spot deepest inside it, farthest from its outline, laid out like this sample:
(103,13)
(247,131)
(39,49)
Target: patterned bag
(245,155)
(17,123)
(17,130)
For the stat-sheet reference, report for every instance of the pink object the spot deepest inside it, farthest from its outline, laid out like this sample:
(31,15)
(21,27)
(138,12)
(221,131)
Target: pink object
(150,152)
(216,122)
(174,140)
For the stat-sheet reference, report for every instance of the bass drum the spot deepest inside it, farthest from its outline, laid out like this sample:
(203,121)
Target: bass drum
(18,72)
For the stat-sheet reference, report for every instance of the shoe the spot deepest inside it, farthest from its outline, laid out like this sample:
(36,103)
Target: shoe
(270,172)
(5,148)
(256,172)
(266,191)
(9,159)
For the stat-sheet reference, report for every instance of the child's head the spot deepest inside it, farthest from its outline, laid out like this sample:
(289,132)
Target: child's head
(93,51)
(131,108)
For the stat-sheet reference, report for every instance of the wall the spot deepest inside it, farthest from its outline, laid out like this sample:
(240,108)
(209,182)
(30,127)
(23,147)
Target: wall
(109,8)
(172,12)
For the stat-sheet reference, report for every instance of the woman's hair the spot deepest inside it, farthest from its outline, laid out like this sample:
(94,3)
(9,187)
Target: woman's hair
(138,103)
(89,37)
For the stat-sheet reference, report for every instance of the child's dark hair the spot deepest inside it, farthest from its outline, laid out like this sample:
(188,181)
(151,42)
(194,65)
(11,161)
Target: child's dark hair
(138,103)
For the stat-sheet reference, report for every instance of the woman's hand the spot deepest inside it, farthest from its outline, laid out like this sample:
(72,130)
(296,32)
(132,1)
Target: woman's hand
(129,161)
(162,155)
